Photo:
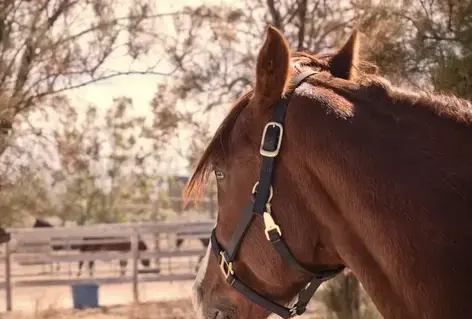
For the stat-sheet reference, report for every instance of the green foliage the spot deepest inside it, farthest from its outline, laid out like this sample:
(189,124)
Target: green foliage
(98,166)
(424,44)
(109,161)
(454,75)
(26,195)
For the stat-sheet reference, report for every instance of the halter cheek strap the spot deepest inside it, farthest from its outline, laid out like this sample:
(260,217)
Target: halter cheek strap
(262,194)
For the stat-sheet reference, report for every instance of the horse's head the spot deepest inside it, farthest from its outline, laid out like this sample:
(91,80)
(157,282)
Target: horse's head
(265,215)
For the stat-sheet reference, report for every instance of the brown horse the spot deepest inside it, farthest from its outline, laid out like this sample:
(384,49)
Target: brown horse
(367,176)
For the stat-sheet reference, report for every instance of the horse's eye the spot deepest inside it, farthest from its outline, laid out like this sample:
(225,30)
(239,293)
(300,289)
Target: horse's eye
(219,175)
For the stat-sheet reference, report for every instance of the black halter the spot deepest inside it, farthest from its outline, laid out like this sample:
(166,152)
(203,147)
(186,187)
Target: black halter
(261,205)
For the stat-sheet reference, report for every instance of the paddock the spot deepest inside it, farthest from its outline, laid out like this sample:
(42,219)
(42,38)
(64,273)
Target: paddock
(28,260)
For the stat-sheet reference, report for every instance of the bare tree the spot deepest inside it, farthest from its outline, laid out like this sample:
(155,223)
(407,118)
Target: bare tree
(49,47)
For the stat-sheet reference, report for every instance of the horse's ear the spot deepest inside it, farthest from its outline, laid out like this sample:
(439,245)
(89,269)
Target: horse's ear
(344,63)
(272,67)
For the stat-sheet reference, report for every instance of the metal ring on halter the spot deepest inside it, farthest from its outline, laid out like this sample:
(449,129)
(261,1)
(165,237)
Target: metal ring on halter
(271,192)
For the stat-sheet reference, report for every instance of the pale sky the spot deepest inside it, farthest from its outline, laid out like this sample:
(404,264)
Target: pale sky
(140,87)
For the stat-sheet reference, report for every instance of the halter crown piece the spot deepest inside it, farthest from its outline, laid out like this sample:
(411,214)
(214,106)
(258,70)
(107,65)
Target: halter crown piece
(262,194)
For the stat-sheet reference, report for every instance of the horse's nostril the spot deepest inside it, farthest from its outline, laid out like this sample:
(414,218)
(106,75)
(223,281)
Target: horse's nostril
(221,315)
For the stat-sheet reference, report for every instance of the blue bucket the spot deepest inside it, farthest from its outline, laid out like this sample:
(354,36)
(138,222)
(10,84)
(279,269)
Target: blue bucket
(85,295)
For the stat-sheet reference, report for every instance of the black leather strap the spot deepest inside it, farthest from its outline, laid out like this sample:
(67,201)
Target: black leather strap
(305,296)
(270,142)
(288,258)
(282,311)
(240,231)
(263,189)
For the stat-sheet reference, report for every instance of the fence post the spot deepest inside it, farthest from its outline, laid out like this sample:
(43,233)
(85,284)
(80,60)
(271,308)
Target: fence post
(156,236)
(156,251)
(8,276)
(135,253)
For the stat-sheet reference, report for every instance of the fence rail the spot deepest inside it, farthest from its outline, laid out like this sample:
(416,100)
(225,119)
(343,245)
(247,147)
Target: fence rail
(33,246)
(110,230)
(32,259)
(107,281)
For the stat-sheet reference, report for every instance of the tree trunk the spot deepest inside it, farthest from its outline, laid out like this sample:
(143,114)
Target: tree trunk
(5,129)
(342,297)
(349,295)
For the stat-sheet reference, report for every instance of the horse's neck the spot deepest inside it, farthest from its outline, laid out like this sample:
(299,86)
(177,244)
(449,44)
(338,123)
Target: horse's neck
(402,199)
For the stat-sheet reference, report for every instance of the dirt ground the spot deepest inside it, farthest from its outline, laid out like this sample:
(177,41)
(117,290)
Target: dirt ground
(171,309)
(158,300)
(33,299)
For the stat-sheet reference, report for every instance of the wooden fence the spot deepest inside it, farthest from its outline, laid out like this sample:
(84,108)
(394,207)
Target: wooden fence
(33,246)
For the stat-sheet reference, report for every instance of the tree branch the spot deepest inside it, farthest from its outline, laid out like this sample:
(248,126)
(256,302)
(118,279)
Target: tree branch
(276,19)
(302,7)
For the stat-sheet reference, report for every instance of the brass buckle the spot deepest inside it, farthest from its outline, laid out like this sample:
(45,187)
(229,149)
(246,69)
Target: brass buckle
(226,267)
(275,152)
(269,223)
(293,311)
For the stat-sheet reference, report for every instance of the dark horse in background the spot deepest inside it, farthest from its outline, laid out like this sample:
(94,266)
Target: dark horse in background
(93,247)
(4,236)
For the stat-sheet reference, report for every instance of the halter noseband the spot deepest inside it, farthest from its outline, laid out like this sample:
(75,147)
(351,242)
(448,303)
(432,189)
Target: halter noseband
(261,205)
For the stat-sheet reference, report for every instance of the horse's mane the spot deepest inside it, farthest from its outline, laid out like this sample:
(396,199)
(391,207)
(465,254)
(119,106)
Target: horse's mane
(367,85)
(215,147)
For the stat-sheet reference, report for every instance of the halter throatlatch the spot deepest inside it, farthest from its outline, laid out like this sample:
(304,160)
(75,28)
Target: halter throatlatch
(262,194)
